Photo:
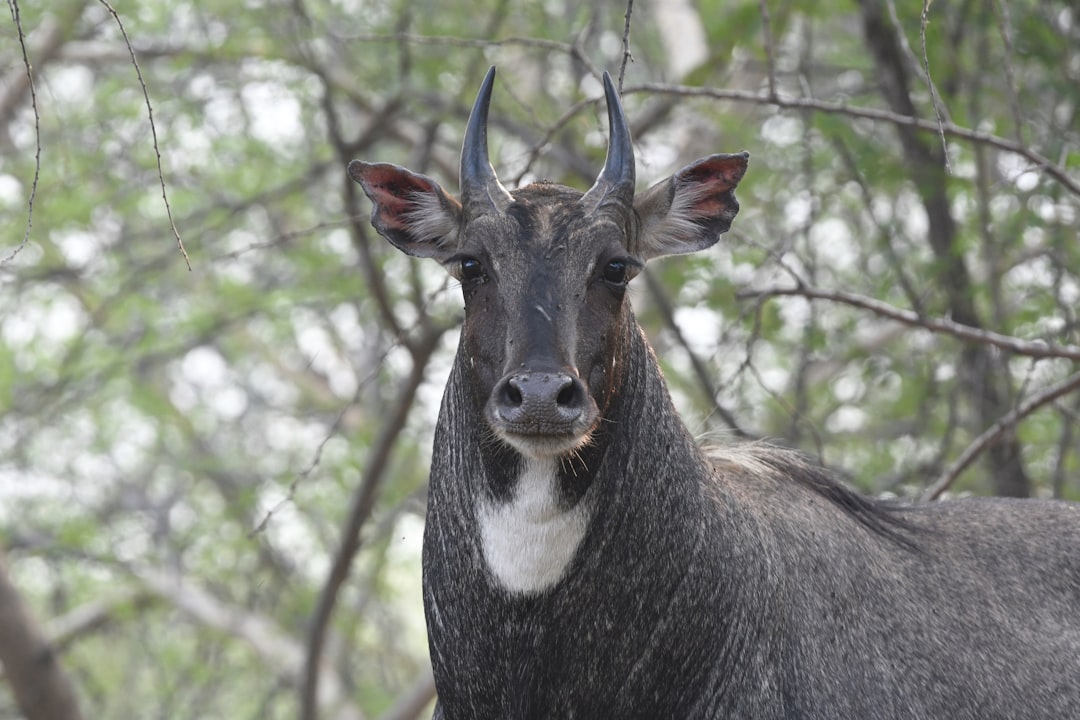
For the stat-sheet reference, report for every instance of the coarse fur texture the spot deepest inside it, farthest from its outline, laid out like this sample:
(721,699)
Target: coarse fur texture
(585,558)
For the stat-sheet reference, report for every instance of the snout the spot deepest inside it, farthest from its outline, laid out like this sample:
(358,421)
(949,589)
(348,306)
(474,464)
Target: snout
(542,412)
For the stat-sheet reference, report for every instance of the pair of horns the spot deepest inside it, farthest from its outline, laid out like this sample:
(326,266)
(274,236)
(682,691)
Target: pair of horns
(479,183)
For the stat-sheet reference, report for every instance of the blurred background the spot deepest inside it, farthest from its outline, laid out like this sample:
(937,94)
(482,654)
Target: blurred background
(212,477)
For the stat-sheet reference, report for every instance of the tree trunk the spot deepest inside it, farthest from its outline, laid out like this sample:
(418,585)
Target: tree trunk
(982,370)
(33,670)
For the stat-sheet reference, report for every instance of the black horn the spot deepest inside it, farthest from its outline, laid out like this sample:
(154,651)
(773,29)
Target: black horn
(481,190)
(616,180)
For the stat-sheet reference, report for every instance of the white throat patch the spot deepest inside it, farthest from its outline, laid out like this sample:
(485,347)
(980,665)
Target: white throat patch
(529,541)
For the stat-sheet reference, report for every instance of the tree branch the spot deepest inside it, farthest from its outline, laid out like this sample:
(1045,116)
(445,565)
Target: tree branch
(626,56)
(94,615)
(153,130)
(1055,171)
(993,433)
(360,509)
(281,652)
(704,377)
(1028,348)
(15,93)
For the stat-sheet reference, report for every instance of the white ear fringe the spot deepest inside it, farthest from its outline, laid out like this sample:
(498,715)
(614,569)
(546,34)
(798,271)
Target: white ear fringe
(429,221)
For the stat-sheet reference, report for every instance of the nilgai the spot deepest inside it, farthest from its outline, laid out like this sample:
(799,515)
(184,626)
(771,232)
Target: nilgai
(584,558)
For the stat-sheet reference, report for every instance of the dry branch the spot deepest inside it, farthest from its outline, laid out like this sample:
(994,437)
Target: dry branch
(15,93)
(153,130)
(993,433)
(1055,171)
(1035,349)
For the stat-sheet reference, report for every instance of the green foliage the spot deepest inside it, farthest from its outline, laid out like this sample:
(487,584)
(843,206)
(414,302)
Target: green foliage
(214,424)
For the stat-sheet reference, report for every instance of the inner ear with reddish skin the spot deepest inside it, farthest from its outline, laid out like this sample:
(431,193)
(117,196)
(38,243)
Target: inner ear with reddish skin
(392,191)
(714,178)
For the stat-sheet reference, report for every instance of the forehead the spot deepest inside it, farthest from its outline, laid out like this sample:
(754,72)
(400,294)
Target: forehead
(547,220)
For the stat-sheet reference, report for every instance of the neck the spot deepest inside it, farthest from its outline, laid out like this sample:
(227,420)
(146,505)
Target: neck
(641,461)
(614,583)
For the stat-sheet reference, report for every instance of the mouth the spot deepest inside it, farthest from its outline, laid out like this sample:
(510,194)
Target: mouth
(544,439)
(538,446)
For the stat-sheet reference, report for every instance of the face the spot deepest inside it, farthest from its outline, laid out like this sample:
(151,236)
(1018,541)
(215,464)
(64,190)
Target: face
(544,270)
(544,285)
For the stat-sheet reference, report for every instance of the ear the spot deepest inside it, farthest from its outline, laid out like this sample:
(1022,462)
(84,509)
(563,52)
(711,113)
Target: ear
(689,210)
(411,211)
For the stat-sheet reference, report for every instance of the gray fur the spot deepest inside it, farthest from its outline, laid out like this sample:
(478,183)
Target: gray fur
(738,582)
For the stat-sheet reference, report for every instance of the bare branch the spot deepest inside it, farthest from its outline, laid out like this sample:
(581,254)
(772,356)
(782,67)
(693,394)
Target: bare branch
(626,56)
(14,6)
(704,377)
(286,237)
(1055,171)
(153,129)
(571,49)
(1015,345)
(94,615)
(534,151)
(1005,28)
(48,40)
(924,20)
(767,41)
(994,433)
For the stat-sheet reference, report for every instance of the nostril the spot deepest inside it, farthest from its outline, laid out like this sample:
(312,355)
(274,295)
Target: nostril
(568,395)
(512,394)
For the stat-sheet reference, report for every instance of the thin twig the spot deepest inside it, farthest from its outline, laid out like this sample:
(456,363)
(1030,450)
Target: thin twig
(316,458)
(336,426)
(767,40)
(1004,27)
(993,433)
(574,50)
(534,151)
(921,68)
(13,5)
(1015,345)
(704,377)
(286,237)
(924,20)
(153,129)
(626,56)
(1052,169)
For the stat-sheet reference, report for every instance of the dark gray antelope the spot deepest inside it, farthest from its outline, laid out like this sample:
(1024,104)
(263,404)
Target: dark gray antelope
(584,558)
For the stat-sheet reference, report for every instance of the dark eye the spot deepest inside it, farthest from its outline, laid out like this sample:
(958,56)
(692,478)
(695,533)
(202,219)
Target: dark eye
(615,272)
(471,270)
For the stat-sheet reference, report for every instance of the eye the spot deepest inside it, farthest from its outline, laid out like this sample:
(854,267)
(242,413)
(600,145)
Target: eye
(615,272)
(470,269)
